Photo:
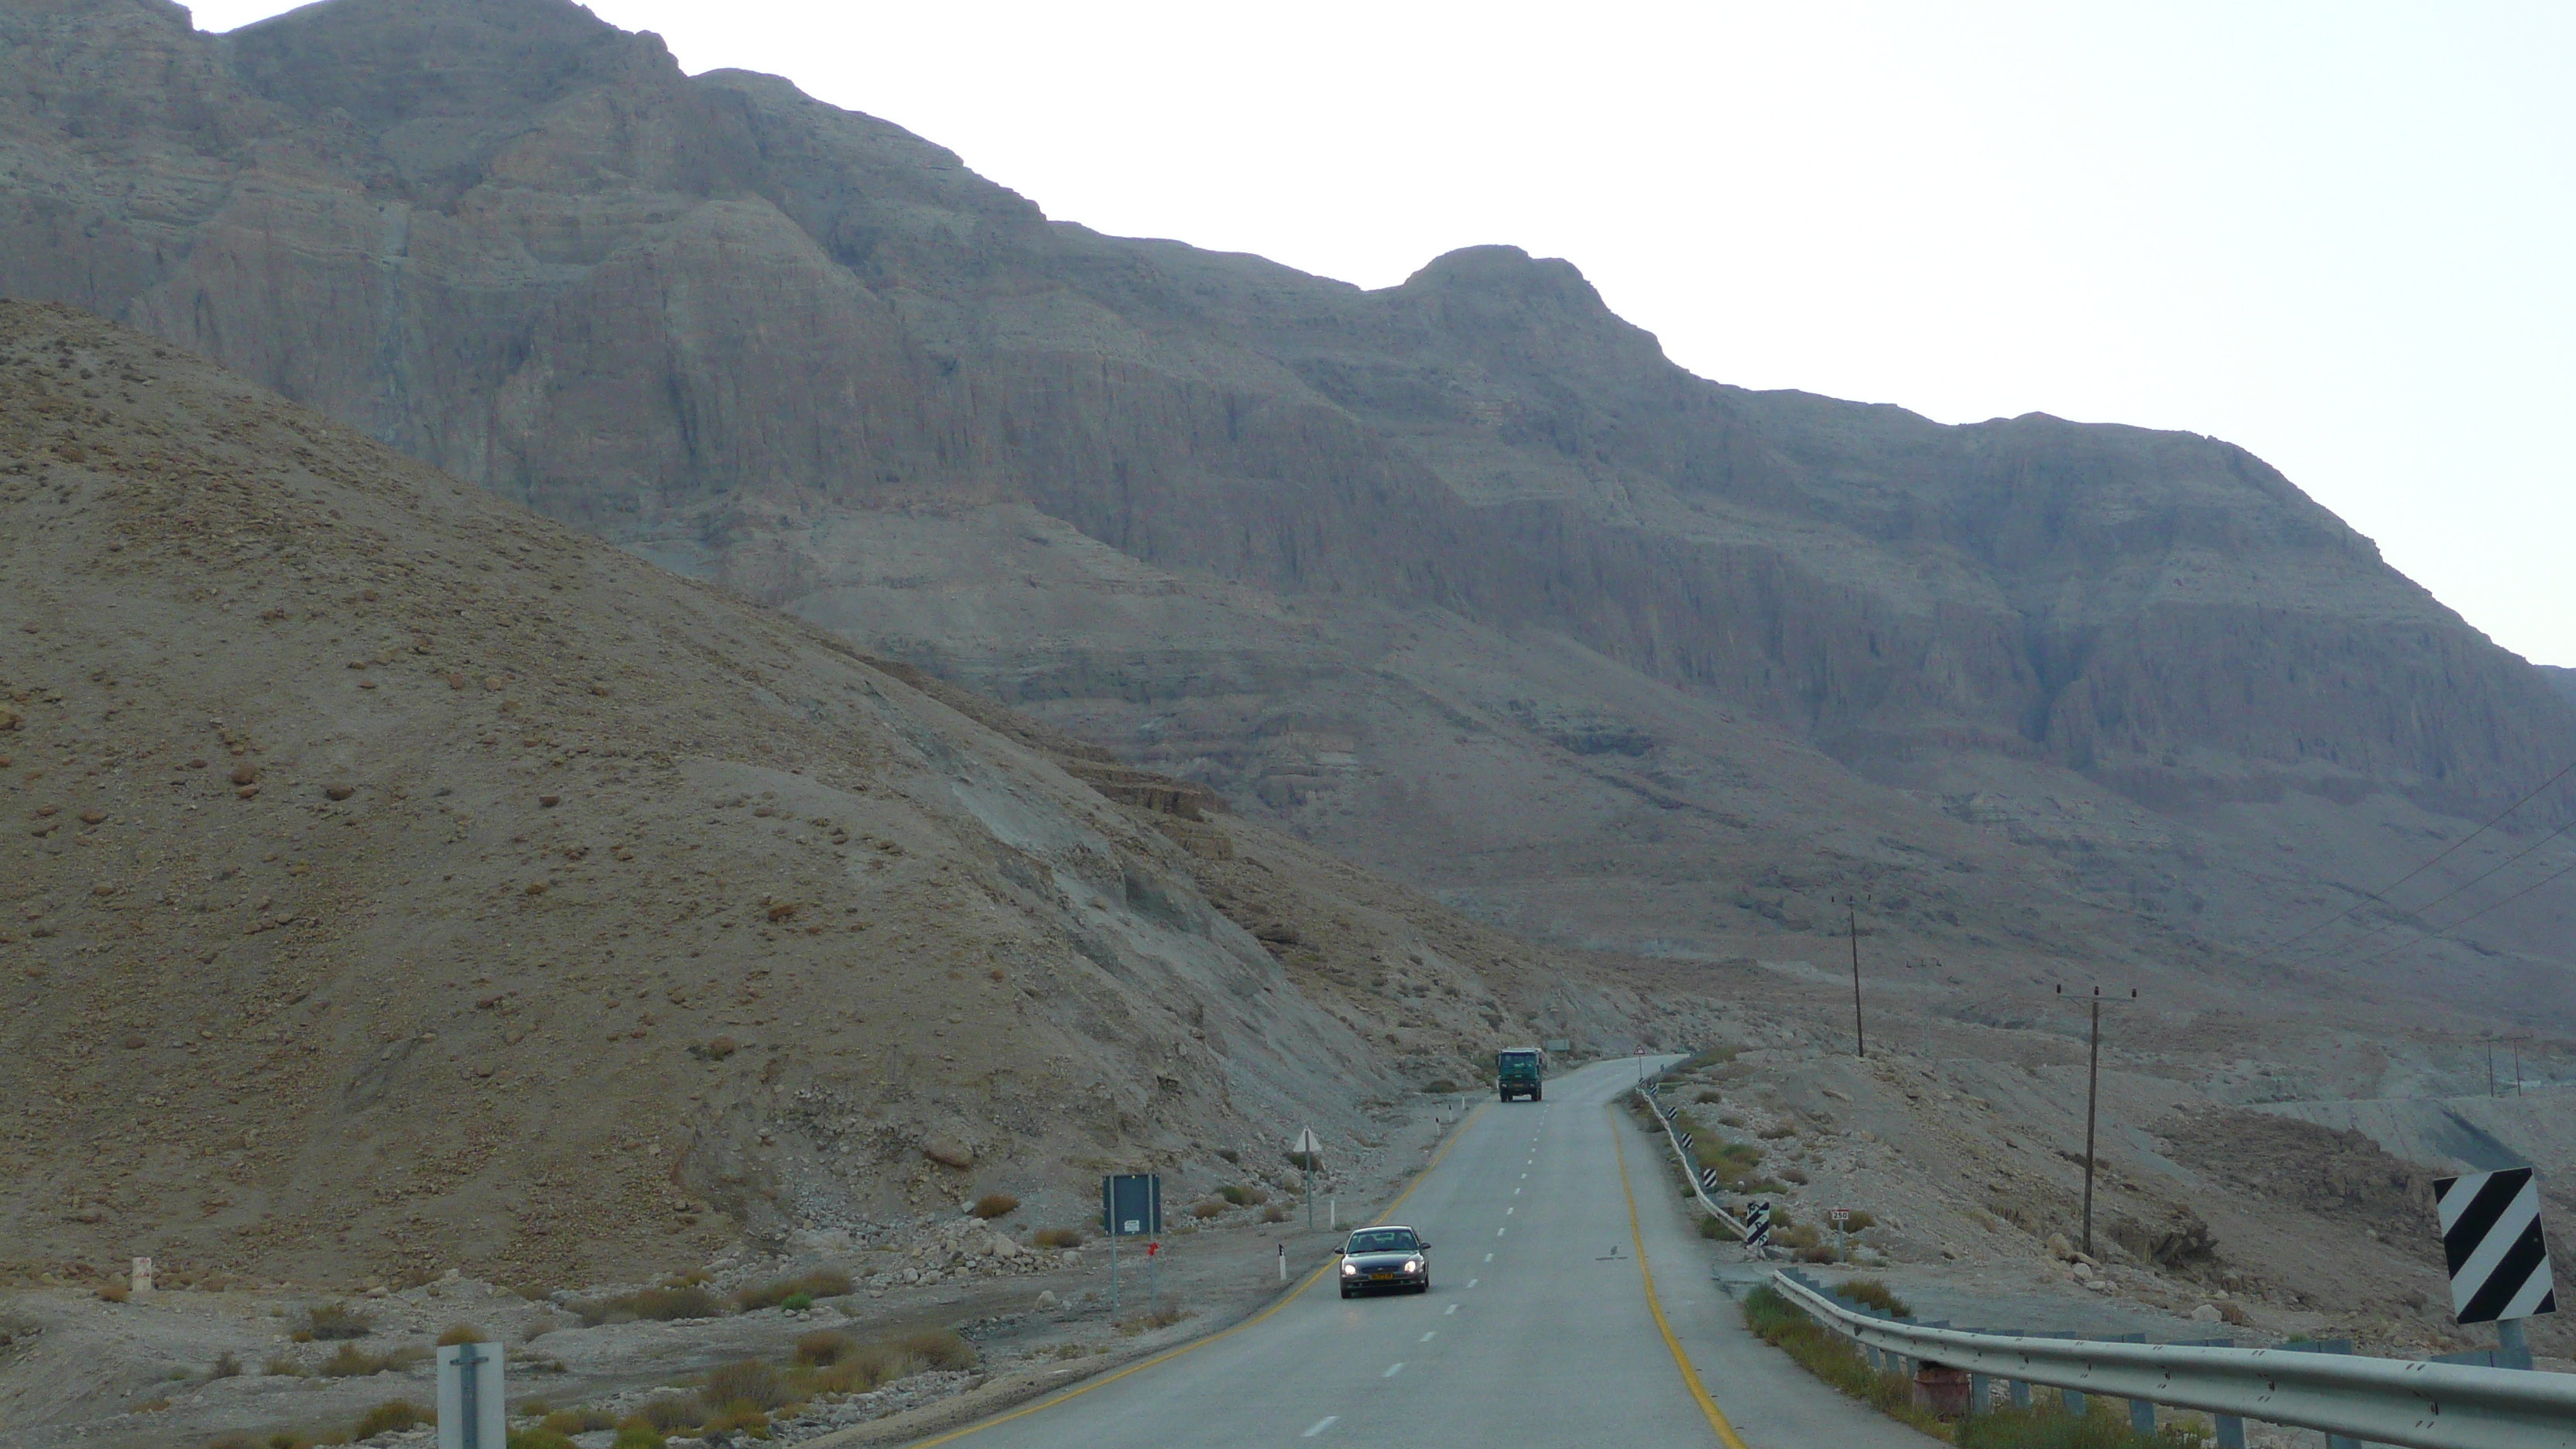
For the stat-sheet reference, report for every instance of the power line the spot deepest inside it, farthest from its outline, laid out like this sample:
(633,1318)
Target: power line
(2409,915)
(2430,935)
(2269,952)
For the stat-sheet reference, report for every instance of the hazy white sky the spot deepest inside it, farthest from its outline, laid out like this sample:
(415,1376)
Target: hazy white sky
(2339,234)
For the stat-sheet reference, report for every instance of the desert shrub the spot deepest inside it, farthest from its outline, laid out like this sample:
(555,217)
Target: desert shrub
(672,1411)
(941,1348)
(1229,1154)
(1244,1195)
(1712,1228)
(1774,1134)
(1211,1208)
(996,1205)
(1442,1087)
(821,1283)
(797,1302)
(1737,1163)
(1876,1294)
(655,1305)
(1730,1119)
(1162,1317)
(749,1383)
(391,1416)
(113,1292)
(1058,1238)
(635,1433)
(1274,1214)
(329,1321)
(539,1438)
(284,1439)
(1794,1174)
(232,1441)
(1859,1221)
(746,1421)
(283,1367)
(462,1333)
(226,1367)
(569,1422)
(1820,1253)
(1304,1161)
(821,1350)
(1707,1094)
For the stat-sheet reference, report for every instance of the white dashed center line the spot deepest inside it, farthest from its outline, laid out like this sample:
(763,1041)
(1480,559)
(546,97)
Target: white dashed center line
(1498,1232)
(1452,1308)
(1392,1370)
(1426,1338)
(1320,1426)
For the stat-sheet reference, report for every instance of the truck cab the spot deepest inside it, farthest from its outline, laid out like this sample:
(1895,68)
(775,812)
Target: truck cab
(1518,1072)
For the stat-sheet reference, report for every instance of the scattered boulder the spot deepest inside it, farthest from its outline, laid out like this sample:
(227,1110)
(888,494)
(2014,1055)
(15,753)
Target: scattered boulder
(2207,1313)
(340,792)
(948,1151)
(1047,1301)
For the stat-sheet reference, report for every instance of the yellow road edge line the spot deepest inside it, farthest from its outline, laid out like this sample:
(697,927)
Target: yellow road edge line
(1690,1376)
(1291,1296)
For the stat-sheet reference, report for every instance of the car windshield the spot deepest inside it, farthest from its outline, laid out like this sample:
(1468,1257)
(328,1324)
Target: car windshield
(1382,1240)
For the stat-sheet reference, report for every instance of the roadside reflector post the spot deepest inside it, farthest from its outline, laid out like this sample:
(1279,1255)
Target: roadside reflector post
(469,1397)
(2513,1349)
(142,1277)
(1283,1262)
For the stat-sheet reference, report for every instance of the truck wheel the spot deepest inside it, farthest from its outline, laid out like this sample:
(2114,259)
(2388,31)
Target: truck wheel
(1536,1093)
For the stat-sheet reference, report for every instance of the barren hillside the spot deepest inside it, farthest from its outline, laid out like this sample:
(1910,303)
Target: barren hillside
(403,881)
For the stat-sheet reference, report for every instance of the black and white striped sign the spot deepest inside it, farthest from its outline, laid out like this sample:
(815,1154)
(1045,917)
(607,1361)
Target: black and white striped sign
(1708,1179)
(1685,1138)
(1759,1225)
(2491,1238)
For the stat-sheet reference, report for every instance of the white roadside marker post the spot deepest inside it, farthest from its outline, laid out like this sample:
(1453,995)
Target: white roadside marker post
(471,1412)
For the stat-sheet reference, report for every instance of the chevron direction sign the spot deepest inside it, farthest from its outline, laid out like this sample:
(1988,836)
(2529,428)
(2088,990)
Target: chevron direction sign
(2491,1238)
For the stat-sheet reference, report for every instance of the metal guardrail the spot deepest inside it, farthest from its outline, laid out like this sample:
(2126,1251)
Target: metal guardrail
(1690,1169)
(2382,1401)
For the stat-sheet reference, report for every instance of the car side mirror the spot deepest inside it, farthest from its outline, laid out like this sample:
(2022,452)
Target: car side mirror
(1424,1244)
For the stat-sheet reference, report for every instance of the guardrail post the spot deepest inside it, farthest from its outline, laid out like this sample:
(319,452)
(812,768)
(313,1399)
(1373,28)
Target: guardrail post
(2021,1397)
(1976,1394)
(2142,1416)
(2329,1345)
(2231,1431)
(2071,1401)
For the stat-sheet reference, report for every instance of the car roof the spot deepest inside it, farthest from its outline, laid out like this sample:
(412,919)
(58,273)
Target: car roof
(1382,1228)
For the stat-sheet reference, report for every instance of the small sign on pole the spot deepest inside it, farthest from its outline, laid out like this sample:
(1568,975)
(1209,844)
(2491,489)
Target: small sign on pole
(471,1414)
(142,1276)
(1131,1205)
(1842,1240)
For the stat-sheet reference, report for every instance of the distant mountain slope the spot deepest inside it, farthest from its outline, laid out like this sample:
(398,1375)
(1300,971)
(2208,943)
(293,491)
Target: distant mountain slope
(1348,557)
(399,879)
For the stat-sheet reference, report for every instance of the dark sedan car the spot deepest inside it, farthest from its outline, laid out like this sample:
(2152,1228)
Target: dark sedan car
(1390,1256)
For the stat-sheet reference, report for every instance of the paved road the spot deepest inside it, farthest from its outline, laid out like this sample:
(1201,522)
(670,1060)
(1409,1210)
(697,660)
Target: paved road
(1537,1332)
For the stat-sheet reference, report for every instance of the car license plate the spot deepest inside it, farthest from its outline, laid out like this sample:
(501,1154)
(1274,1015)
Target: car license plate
(1381,1275)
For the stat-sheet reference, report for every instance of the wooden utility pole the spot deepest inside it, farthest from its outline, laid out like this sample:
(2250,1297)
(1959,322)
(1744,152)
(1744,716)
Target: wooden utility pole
(2092,1092)
(1860,1038)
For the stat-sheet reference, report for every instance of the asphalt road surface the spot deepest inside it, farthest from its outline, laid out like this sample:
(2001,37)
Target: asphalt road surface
(1539,1330)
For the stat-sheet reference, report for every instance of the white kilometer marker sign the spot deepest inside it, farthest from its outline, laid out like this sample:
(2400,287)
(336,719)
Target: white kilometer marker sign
(1392,1370)
(1321,1425)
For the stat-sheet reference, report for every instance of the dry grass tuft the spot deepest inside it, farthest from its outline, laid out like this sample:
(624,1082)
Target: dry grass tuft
(462,1333)
(821,1283)
(996,1205)
(569,1422)
(749,1383)
(391,1416)
(329,1321)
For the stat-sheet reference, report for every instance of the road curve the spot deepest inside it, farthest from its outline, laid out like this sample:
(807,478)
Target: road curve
(1537,1330)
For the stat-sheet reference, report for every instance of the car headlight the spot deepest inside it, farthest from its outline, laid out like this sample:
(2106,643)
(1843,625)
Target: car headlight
(1349,1268)
(1413,1265)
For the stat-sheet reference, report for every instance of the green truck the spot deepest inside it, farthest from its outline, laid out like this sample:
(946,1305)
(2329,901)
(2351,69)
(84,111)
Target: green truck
(1517,1071)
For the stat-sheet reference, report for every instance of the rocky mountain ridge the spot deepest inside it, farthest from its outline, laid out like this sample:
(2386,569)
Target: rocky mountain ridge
(1461,578)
